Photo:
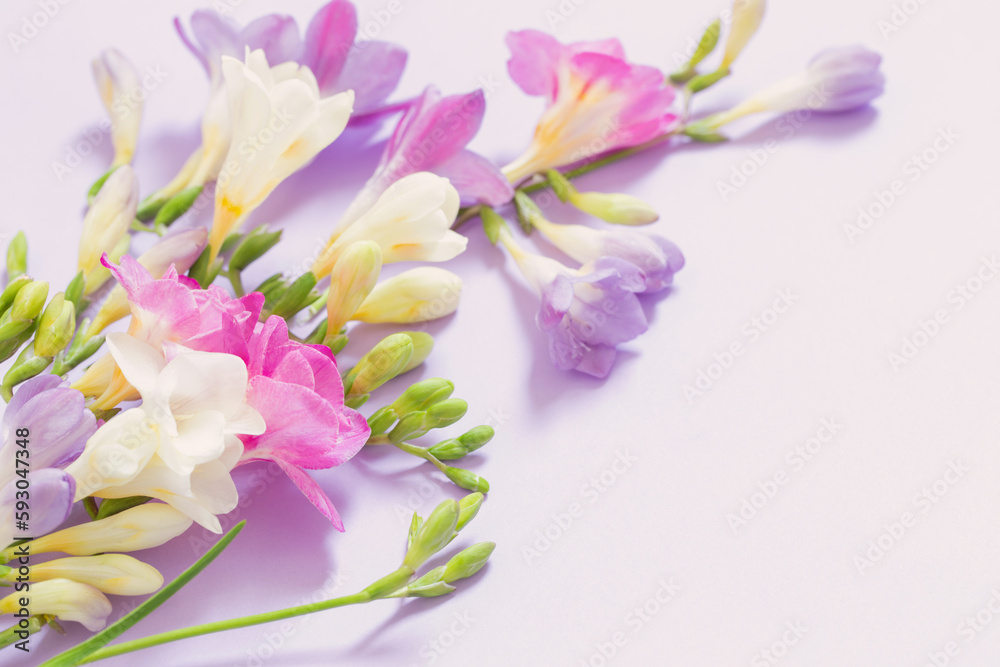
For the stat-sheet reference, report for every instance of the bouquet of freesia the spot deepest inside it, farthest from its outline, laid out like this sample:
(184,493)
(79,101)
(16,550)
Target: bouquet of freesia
(142,423)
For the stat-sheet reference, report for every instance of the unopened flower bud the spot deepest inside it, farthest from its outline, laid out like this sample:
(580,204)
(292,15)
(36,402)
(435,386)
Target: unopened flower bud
(122,94)
(296,297)
(177,206)
(353,278)
(469,507)
(477,437)
(9,292)
(449,450)
(415,523)
(422,395)
(467,562)
(467,479)
(418,295)
(116,574)
(65,599)
(27,305)
(141,527)
(435,534)
(620,209)
(423,343)
(446,412)
(381,420)
(253,247)
(17,256)
(747,16)
(56,328)
(385,361)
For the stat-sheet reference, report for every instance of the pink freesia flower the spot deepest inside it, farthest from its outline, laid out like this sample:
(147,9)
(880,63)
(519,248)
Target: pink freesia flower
(597,101)
(174,309)
(298,391)
(431,136)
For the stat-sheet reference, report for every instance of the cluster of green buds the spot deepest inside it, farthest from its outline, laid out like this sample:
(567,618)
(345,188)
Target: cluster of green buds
(164,211)
(426,539)
(616,208)
(424,406)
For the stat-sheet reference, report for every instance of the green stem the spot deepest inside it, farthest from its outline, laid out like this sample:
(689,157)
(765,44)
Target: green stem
(220,626)
(236,280)
(90,504)
(421,453)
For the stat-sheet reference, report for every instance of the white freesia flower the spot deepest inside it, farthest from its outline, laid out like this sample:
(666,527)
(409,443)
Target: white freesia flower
(106,225)
(410,221)
(278,125)
(65,599)
(177,250)
(137,528)
(181,443)
(116,574)
(418,295)
(747,16)
(354,277)
(121,92)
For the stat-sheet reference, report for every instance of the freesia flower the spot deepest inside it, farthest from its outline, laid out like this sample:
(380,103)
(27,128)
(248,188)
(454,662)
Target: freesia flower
(597,101)
(418,295)
(116,574)
(371,69)
(431,136)
(353,278)
(586,313)
(58,425)
(177,250)
(135,529)
(656,258)
(299,392)
(172,309)
(181,443)
(410,221)
(279,125)
(65,599)
(838,79)
(106,225)
(121,93)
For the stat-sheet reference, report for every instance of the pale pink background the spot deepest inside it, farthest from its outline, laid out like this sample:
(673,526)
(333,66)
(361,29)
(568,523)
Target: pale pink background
(665,515)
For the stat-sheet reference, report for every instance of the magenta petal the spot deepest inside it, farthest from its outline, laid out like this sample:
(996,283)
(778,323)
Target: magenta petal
(477,179)
(534,61)
(312,490)
(329,38)
(373,70)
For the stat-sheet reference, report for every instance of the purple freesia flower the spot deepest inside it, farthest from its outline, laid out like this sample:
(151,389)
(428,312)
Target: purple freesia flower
(371,69)
(431,136)
(656,258)
(586,313)
(58,424)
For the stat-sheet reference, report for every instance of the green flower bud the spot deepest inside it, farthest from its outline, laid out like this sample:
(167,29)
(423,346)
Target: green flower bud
(493,222)
(56,328)
(11,345)
(176,206)
(17,256)
(446,412)
(149,207)
(467,562)
(467,479)
(272,288)
(422,395)
(477,437)
(431,577)
(78,353)
(434,535)
(423,343)
(708,42)
(527,211)
(469,507)
(381,420)
(703,81)
(29,301)
(412,425)
(253,247)
(9,292)
(296,297)
(619,209)
(385,361)
(449,450)
(74,292)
